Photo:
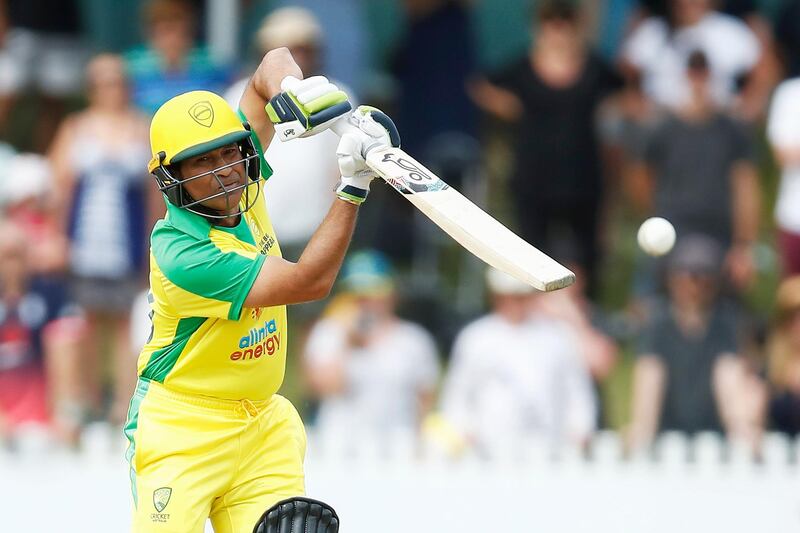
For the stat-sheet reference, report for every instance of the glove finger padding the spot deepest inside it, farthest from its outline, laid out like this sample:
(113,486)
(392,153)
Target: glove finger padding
(296,86)
(312,93)
(298,515)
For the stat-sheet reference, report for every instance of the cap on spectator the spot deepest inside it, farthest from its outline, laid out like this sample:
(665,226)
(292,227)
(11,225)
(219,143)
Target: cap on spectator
(501,283)
(288,26)
(367,272)
(27,176)
(696,254)
(787,299)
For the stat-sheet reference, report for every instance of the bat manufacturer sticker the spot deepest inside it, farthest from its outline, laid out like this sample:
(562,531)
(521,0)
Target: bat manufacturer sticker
(414,178)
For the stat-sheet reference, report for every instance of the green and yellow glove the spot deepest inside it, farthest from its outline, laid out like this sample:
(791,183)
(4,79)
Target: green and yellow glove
(306,107)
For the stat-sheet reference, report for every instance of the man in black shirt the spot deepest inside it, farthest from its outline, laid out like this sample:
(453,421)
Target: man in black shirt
(689,375)
(697,170)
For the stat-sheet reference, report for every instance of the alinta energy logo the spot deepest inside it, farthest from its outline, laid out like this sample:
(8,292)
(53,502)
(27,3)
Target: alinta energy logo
(202,113)
(263,341)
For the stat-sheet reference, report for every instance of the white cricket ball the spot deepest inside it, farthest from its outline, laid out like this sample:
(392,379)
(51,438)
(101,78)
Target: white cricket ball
(656,236)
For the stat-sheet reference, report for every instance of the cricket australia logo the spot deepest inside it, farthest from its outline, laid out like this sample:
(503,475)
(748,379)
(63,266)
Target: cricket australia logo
(161,498)
(202,113)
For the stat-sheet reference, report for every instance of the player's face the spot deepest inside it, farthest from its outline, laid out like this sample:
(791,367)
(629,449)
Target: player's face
(220,171)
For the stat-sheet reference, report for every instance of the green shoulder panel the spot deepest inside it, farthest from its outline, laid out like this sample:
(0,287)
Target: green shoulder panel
(199,267)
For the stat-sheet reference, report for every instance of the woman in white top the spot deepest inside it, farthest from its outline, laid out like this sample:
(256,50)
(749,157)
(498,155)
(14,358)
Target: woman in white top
(106,205)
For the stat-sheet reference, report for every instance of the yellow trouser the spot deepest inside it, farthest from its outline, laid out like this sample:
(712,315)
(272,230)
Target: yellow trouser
(193,457)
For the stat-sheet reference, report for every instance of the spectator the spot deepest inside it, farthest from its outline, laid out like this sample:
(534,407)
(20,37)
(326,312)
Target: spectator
(171,62)
(689,375)
(41,48)
(371,370)
(783,131)
(26,196)
(659,48)
(349,47)
(514,374)
(783,356)
(433,62)
(27,199)
(591,328)
(107,205)
(307,167)
(697,170)
(552,96)
(27,306)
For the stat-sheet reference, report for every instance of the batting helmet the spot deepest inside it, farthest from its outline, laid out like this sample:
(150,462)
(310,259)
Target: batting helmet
(191,124)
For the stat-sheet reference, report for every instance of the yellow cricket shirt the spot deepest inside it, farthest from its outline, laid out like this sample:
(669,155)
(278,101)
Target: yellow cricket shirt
(203,340)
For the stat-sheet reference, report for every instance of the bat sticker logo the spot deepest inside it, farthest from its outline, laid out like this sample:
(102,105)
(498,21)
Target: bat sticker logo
(414,172)
(414,178)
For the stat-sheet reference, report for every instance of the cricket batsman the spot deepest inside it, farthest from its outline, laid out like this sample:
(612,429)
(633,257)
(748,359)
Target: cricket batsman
(208,435)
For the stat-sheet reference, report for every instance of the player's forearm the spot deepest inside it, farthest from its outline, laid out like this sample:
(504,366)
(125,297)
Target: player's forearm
(282,282)
(263,85)
(322,258)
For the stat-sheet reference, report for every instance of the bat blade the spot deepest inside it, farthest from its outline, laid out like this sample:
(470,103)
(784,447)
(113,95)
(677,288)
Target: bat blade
(468,224)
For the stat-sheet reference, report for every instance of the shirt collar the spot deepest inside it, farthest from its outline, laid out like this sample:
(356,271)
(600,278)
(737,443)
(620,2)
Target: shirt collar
(190,223)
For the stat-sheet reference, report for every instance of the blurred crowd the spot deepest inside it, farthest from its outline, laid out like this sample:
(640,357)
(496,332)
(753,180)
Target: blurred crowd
(609,112)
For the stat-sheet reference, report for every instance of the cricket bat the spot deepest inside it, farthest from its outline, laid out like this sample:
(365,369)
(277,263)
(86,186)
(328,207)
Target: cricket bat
(468,224)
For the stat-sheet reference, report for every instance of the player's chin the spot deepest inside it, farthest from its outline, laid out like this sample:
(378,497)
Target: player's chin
(225,202)
(231,199)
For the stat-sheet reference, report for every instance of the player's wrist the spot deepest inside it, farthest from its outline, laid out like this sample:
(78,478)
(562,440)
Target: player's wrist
(350,192)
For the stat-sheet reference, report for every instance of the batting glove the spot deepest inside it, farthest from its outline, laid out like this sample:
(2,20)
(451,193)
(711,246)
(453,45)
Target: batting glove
(306,107)
(376,131)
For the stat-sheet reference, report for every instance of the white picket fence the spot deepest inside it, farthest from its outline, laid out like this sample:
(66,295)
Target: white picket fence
(394,485)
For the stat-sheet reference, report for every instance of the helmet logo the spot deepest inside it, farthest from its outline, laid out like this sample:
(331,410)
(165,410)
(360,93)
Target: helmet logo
(202,113)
